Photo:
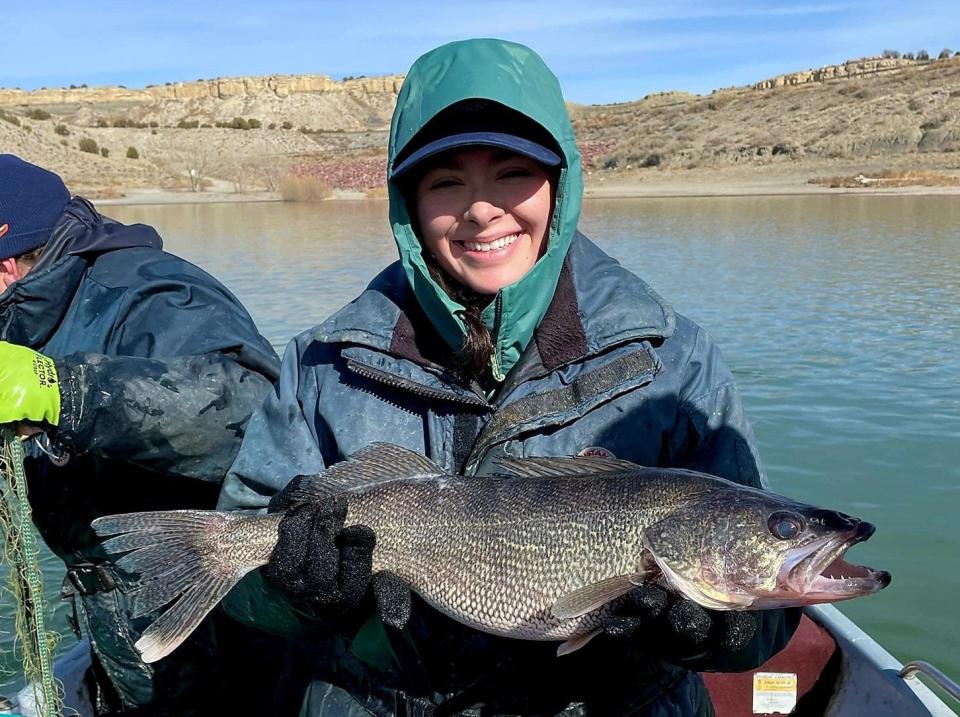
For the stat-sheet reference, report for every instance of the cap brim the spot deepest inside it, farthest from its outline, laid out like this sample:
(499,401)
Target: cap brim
(511,142)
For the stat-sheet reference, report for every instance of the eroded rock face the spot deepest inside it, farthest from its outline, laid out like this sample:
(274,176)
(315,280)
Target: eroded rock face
(219,88)
(848,70)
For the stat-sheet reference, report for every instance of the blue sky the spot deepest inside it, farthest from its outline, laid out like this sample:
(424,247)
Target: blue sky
(602,50)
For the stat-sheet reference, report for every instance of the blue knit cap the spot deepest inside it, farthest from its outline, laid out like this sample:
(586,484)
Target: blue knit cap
(31,201)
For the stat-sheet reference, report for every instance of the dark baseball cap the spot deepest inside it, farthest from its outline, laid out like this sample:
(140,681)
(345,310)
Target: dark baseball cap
(478,122)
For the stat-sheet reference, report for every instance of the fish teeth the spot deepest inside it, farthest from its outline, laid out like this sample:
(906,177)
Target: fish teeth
(491,245)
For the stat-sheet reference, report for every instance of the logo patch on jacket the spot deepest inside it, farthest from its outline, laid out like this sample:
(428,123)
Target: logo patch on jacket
(597,451)
(4,228)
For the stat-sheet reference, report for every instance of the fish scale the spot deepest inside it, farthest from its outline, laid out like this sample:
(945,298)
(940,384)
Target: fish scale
(525,543)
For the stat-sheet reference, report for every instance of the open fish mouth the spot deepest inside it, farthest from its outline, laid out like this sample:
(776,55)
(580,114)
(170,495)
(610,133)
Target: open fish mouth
(819,573)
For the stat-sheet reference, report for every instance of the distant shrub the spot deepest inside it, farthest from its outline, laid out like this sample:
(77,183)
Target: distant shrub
(64,142)
(38,114)
(62,130)
(154,124)
(908,56)
(287,124)
(240,123)
(891,54)
(123,122)
(88,145)
(652,160)
(272,125)
(933,123)
(944,53)
(254,123)
(12,119)
(303,189)
(718,101)
(102,122)
(104,152)
(914,104)
(923,56)
(132,153)
(188,124)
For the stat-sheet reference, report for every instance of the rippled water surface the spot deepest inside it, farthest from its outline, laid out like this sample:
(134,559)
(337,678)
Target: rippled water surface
(839,315)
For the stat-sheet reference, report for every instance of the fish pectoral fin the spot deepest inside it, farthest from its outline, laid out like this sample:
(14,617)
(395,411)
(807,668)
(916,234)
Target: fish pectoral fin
(590,597)
(575,643)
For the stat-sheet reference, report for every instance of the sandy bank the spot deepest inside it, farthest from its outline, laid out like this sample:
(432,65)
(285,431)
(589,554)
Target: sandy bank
(652,183)
(744,181)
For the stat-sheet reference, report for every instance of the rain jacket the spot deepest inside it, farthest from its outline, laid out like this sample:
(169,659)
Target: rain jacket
(160,368)
(601,363)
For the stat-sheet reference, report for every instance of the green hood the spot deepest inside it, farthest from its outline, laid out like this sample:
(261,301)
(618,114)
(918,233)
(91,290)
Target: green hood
(514,76)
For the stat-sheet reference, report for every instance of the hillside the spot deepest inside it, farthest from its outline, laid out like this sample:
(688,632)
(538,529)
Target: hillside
(243,134)
(901,108)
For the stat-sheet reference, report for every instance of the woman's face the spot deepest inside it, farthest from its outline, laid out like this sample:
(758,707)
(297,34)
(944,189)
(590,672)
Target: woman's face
(484,214)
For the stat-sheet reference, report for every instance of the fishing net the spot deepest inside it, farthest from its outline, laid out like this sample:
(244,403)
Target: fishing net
(34,645)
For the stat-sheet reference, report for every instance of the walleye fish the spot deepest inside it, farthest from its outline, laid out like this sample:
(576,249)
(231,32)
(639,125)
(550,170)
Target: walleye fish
(539,552)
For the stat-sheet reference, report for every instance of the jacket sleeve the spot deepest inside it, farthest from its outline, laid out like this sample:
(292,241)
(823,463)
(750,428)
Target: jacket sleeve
(180,375)
(712,435)
(281,442)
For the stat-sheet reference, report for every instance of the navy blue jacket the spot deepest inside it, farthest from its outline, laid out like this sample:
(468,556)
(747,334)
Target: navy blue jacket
(611,366)
(160,368)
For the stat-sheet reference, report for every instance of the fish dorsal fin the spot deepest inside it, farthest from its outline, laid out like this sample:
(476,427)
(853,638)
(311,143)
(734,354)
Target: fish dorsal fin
(370,466)
(593,596)
(562,467)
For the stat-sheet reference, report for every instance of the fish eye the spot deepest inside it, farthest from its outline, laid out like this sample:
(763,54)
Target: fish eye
(785,526)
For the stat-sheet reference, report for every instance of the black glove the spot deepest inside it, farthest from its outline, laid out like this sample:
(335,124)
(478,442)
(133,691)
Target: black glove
(676,628)
(326,565)
(319,561)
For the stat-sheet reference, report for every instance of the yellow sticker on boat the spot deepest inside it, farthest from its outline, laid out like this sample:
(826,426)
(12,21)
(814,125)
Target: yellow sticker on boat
(774,692)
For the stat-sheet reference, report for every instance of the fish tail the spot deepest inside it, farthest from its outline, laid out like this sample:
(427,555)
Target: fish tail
(189,559)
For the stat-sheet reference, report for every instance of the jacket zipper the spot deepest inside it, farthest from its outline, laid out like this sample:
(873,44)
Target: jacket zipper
(495,357)
(413,387)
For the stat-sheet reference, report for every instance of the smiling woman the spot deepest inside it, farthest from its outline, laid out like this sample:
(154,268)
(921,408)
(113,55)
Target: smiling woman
(501,332)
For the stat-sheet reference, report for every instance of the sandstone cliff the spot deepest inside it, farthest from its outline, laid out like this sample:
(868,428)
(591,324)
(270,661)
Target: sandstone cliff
(852,69)
(875,109)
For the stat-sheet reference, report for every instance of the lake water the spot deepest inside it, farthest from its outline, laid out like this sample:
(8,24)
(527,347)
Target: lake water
(840,317)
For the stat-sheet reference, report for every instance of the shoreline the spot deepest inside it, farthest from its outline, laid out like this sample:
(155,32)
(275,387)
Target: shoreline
(724,182)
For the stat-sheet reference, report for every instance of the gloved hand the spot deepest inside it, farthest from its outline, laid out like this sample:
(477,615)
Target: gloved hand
(326,565)
(677,628)
(319,561)
(28,386)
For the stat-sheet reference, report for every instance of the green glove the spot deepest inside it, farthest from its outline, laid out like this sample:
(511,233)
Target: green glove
(28,386)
